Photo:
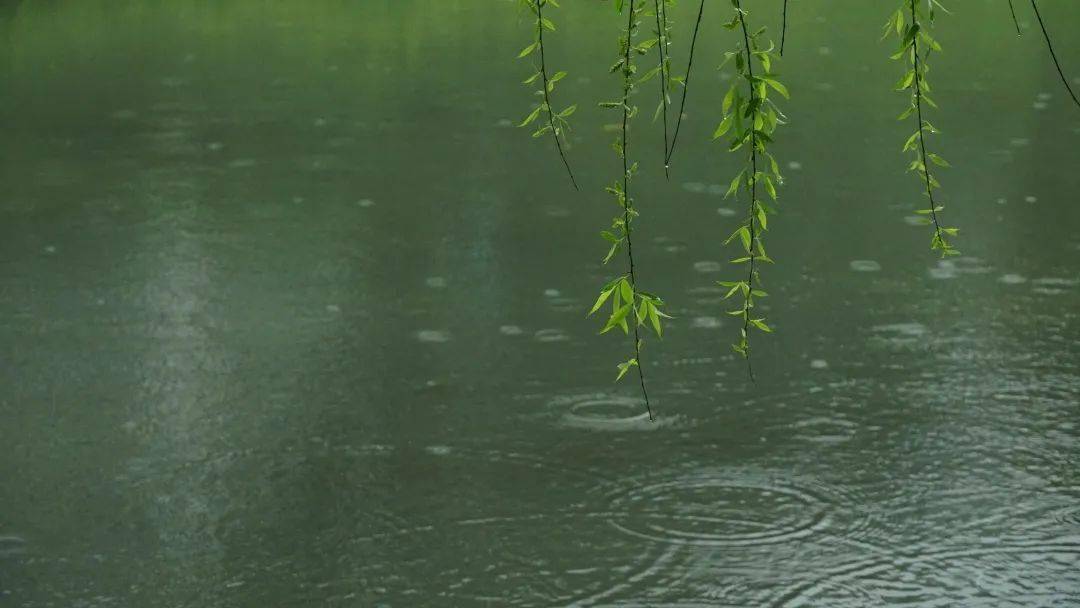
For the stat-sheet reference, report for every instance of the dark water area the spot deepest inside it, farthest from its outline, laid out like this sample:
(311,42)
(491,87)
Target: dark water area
(291,316)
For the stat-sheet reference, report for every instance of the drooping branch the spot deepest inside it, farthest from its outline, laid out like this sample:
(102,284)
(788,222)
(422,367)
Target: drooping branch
(629,302)
(753,120)
(628,207)
(1016,22)
(686,86)
(914,78)
(661,43)
(918,86)
(783,28)
(1053,55)
(751,267)
(556,122)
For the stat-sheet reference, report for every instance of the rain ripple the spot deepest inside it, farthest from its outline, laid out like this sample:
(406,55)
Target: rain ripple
(1028,574)
(733,508)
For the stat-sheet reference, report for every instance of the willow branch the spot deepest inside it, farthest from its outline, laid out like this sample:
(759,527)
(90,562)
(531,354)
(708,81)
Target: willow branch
(783,28)
(547,93)
(628,204)
(753,191)
(686,86)
(918,111)
(1012,9)
(1053,55)
(661,43)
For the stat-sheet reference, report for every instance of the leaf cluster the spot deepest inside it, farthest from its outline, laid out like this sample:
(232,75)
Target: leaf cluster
(749,120)
(545,83)
(912,36)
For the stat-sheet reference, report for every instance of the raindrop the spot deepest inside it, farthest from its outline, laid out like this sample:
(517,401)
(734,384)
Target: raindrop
(551,335)
(433,335)
(865,266)
(705,323)
(1012,279)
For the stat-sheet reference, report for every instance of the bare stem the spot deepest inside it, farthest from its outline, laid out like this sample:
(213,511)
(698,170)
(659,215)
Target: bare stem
(661,43)
(686,86)
(1012,9)
(783,28)
(1053,55)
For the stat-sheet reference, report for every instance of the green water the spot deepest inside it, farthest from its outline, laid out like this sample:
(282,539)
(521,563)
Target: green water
(289,317)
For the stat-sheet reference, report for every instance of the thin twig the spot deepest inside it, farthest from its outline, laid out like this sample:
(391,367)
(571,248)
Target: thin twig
(547,97)
(1012,10)
(627,204)
(686,86)
(783,29)
(661,43)
(1053,55)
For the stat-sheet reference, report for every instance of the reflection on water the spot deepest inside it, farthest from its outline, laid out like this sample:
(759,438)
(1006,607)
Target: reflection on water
(291,318)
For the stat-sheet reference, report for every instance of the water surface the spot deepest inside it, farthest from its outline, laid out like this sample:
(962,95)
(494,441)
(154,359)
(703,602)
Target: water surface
(289,316)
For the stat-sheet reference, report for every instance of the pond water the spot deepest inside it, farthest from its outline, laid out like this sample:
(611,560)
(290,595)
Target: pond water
(290,317)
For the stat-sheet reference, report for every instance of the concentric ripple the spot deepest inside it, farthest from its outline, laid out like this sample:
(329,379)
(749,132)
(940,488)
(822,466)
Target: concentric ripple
(733,508)
(1028,574)
(605,412)
(527,506)
(615,412)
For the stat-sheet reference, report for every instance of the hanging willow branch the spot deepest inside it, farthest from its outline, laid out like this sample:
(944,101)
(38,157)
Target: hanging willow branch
(686,87)
(663,32)
(556,122)
(1016,22)
(1053,55)
(752,120)
(914,79)
(629,304)
(783,29)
